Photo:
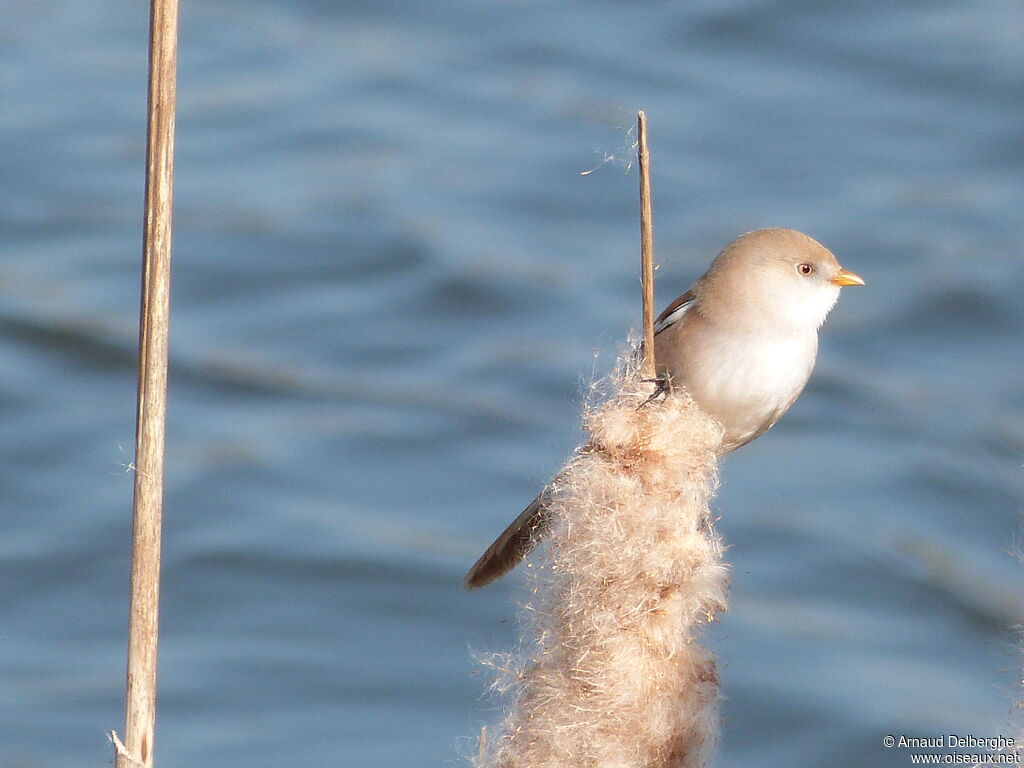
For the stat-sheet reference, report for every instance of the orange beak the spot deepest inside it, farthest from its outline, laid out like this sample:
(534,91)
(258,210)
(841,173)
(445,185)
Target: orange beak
(846,277)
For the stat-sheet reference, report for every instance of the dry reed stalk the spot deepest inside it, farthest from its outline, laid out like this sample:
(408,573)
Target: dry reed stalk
(612,674)
(646,244)
(140,692)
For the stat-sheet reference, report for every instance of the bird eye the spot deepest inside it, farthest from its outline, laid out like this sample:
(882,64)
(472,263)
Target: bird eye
(804,269)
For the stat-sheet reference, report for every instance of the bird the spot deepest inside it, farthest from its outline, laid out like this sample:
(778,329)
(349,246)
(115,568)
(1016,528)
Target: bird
(741,341)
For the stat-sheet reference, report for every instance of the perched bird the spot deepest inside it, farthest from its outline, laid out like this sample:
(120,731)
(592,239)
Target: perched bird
(742,341)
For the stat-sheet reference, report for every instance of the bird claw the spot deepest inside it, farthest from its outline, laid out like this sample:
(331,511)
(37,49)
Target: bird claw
(663,386)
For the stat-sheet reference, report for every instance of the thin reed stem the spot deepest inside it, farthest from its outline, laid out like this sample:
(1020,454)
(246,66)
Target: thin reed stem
(646,244)
(140,693)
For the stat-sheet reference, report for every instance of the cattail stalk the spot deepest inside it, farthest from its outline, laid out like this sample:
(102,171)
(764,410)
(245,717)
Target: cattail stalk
(612,673)
(140,693)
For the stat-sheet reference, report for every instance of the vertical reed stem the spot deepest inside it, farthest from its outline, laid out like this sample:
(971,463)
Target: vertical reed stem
(646,245)
(140,694)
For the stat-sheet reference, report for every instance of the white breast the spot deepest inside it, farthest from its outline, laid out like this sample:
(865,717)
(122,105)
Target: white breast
(747,380)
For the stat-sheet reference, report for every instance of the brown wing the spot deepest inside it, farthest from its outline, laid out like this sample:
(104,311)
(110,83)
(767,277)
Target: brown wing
(676,308)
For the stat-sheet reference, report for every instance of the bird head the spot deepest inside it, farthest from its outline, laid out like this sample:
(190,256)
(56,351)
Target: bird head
(774,278)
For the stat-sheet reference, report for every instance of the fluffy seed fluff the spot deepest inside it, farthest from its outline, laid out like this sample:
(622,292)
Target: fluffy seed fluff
(611,673)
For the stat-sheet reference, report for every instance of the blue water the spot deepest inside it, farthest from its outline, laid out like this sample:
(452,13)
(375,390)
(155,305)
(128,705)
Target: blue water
(391,283)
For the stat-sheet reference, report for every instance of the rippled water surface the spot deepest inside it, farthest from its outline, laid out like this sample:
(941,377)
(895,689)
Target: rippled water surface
(392,282)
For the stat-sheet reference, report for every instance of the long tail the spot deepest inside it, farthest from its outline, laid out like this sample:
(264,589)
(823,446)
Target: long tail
(512,545)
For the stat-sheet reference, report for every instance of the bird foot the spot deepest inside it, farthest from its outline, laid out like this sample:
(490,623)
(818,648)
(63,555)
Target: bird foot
(662,388)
